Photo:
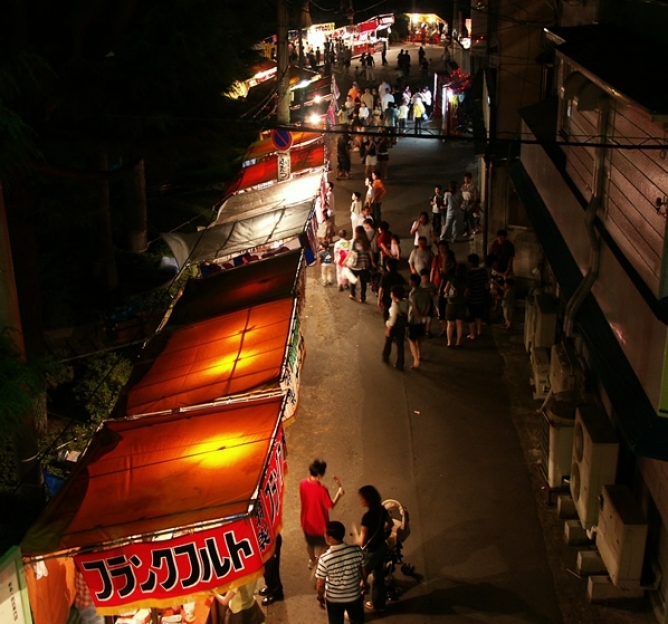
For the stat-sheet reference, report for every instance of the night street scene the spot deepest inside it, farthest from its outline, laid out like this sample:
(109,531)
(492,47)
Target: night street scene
(335,311)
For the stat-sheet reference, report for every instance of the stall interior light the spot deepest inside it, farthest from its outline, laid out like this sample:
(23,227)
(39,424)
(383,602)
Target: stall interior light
(314,120)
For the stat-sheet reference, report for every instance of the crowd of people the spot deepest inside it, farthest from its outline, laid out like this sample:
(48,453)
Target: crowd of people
(457,293)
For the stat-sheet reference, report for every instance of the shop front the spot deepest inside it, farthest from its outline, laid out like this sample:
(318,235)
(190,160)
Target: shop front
(256,224)
(160,514)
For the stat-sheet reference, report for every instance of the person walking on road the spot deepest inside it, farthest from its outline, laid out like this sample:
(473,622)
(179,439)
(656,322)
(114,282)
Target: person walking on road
(315,505)
(453,229)
(340,578)
(476,295)
(421,228)
(376,526)
(378,195)
(418,114)
(419,308)
(437,210)
(455,310)
(390,277)
(360,263)
(395,326)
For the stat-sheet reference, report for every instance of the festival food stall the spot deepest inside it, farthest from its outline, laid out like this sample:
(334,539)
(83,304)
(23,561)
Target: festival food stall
(242,287)
(250,352)
(372,35)
(256,224)
(426,28)
(449,94)
(264,146)
(304,157)
(160,512)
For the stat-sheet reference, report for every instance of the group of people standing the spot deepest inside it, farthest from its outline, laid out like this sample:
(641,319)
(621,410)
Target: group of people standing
(456,213)
(386,107)
(342,570)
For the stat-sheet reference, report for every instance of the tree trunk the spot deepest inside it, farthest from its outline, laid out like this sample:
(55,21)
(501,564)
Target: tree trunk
(31,481)
(105,265)
(135,216)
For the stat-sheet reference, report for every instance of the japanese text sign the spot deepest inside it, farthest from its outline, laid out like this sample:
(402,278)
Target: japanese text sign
(167,569)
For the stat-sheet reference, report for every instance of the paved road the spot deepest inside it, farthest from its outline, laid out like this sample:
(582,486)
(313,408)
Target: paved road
(440,440)
(454,442)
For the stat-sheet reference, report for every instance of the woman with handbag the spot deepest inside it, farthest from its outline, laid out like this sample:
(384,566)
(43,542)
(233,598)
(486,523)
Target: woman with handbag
(376,526)
(360,262)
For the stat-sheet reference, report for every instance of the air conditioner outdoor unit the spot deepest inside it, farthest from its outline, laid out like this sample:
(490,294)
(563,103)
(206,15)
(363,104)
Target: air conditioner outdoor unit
(545,323)
(594,463)
(559,421)
(540,366)
(565,369)
(621,536)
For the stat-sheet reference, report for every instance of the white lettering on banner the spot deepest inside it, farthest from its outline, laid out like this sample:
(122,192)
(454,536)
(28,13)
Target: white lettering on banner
(284,166)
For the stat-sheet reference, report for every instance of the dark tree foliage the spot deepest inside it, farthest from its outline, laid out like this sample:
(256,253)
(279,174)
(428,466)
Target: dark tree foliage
(90,88)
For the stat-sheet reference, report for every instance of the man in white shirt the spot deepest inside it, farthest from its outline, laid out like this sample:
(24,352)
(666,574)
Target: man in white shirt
(470,204)
(386,99)
(340,577)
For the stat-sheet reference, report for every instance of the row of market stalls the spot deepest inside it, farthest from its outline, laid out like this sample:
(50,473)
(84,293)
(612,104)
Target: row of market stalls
(367,36)
(179,494)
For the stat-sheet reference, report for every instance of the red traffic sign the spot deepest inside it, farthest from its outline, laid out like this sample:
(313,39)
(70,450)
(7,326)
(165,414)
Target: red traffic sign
(282,139)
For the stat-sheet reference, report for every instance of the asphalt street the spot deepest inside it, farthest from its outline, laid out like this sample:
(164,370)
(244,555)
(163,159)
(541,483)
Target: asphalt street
(454,442)
(439,439)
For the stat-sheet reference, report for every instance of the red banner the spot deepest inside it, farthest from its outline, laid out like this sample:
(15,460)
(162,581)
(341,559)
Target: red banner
(168,569)
(156,571)
(269,513)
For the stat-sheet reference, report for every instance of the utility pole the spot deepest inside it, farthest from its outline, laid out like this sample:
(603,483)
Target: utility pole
(350,13)
(283,91)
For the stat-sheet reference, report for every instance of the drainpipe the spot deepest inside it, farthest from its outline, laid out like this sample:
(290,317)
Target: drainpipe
(585,286)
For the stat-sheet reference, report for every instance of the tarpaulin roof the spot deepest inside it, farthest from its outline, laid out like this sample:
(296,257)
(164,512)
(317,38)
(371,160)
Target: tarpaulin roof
(251,220)
(296,191)
(229,239)
(142,477)
(231,354)
(301,159)
(235,289)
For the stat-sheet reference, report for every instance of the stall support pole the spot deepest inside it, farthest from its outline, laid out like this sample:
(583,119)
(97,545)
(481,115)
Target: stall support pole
(283,105)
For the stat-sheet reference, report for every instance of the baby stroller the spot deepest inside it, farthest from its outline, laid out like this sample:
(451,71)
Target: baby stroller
(395,540)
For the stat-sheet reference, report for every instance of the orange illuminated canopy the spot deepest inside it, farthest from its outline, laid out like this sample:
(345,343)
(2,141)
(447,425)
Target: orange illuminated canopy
(302,159)
(160,473)
(248,285)
(232,354)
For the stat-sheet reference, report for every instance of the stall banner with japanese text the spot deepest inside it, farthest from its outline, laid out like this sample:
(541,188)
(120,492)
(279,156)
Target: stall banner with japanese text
(269,511)
(14,604)
(291,380)
(168,569)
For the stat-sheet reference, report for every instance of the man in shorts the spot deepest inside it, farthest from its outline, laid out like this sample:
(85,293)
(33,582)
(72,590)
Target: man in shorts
(315,505)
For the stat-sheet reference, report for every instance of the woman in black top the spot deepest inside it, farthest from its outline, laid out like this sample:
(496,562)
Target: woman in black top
(376,526)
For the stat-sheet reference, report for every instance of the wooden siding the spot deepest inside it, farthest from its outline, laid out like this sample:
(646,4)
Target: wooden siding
(580,159)
(634,181)
(636,178)
(639,333)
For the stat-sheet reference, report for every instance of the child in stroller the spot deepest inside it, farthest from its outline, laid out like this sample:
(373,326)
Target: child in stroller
(395,541)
